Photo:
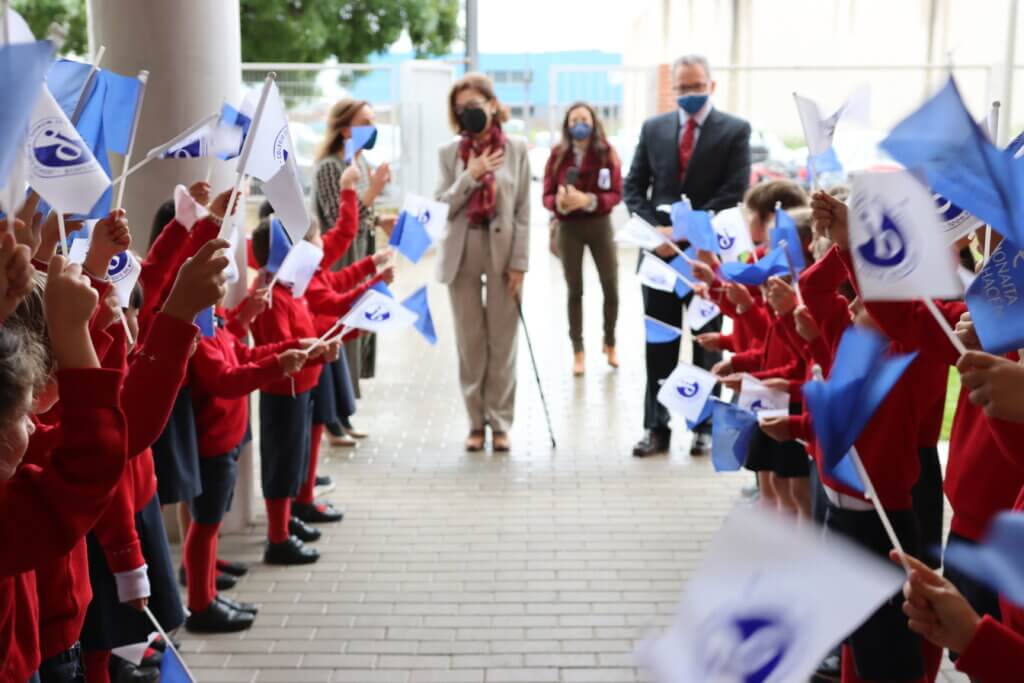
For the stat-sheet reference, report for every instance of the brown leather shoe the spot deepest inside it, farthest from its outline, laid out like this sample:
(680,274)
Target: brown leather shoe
(500,442)
(475,440)
(613,357)
(577,364)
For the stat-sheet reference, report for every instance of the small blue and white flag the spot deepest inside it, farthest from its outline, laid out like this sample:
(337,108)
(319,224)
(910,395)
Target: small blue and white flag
(375,312)
(785,231)
(284,192)
(732,430)
(417,303)
(700,312)
(123,272)
(733,234)
(700,232)
(767,603)
(23,70)
(172,670)
(757,273)
(819,130)
(300,265)
(271,142)
(996,300)
(360,138)
(206,322)
(956,222)
(998,561)
(640,233)
(657,274)
(279,246)
(210,137)
(761,400)
(686,391)
(657,332)
(680,212)
(894,240)
(61,167)
(421,223)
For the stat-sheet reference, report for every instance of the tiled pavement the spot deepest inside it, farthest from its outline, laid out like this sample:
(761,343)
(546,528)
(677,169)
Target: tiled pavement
(539,565)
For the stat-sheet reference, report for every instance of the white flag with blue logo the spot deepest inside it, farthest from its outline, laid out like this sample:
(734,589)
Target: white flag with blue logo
(60,166)
(272,141)
(211,138)
(733,234)
(956,222)
(767,603)
(657,274)
(640,233)
(376,312)
(895,240)
(686,391)
(699,312)
(761,400)
(300,265)
(123,272)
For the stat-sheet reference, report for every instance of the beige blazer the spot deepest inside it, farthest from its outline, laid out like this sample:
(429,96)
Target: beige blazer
(510,229)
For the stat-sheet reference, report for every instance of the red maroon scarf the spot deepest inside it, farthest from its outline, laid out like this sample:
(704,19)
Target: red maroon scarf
(482,204)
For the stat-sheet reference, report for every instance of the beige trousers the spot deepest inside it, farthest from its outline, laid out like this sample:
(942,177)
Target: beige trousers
(486,329)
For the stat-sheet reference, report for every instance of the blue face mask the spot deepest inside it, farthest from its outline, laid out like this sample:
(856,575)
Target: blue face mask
(580,131)
(692,104)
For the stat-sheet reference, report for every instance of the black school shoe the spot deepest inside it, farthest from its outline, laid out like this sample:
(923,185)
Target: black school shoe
(219,618)
(225,582)
(303,531)
(292,551)
(123,671)
(316,512)
(236,569)
(324,480)
(237,606)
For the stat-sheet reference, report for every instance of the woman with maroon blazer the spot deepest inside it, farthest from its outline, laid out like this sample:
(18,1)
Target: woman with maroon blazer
(582,184)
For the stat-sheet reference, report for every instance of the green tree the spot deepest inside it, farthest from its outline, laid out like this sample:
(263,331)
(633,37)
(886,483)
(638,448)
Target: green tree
(296,30)
(348,30)
(69,13)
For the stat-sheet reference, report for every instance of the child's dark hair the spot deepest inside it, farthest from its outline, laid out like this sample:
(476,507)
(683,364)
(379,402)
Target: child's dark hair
(266,208)
(261,242)
(762,198)
(164,215)
(22,369)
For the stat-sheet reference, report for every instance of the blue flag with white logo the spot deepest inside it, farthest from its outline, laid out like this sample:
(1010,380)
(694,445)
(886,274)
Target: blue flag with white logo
(701,233)
(410,237)
(732,430)
(996,300)
(171,668)
(107,118)
(944,140)
(206,323)
(658,332)
(755,274)
(280,245)
(998,561)
(23,69)
(785,230)
(418,304)
(361,137)
(862,376)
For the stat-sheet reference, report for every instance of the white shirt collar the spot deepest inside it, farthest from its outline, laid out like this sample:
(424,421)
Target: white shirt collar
(701,116)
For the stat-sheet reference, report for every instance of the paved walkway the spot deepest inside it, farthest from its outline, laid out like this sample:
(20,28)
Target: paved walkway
(538,565)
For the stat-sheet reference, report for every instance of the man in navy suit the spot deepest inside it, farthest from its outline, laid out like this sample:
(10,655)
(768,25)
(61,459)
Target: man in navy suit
(703,153)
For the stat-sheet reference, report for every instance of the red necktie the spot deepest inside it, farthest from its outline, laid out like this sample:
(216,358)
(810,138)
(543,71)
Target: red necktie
(686,146)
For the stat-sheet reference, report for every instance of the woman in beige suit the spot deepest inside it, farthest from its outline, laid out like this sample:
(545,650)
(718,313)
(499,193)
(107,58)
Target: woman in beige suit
(485,180)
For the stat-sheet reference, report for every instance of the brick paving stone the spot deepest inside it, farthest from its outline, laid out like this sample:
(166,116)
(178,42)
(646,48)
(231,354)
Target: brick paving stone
(536,565)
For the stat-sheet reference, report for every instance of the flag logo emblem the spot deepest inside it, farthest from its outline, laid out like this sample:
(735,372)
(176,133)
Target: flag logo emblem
(707,310)
(887,248)
(725,240)
(117,265)
(190,151)
(376,314)
(688,389)
(887,253)
(756,406)
(424,217)
(280,144)
(53,152)
(746,648)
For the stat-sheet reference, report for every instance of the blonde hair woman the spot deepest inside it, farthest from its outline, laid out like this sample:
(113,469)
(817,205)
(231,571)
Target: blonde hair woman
(485,179)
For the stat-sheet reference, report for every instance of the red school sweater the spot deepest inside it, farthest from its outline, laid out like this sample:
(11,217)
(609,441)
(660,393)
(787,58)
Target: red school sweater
(222,373)
(888,446)
(980,480)
(587,182)
(776,358)
(151,380)
(285,319)
(46,510)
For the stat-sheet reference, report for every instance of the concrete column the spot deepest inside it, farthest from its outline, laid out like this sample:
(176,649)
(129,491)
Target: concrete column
(192,50)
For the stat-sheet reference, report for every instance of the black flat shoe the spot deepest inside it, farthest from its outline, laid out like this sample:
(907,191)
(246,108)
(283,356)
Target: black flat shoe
(237,606)
(701,445)
(324,480)
(123,671)
(316,513)
(652,444)
(218,618)
(236,569)
(303,531)
(225,582)
(292,551)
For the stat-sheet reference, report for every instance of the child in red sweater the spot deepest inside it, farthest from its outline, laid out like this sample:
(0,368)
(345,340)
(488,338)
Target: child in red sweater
(222,374)
(48,507)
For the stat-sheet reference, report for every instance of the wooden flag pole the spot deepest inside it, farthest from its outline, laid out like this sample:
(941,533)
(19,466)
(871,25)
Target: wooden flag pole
(143,78)
(243,157)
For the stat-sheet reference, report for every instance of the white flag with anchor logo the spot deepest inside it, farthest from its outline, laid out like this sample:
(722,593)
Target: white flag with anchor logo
(895,240)
(767,604)
(432,215)
(733,234)
(124,271)
(687,390)
(657,274)
(375,312)
(60,166)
